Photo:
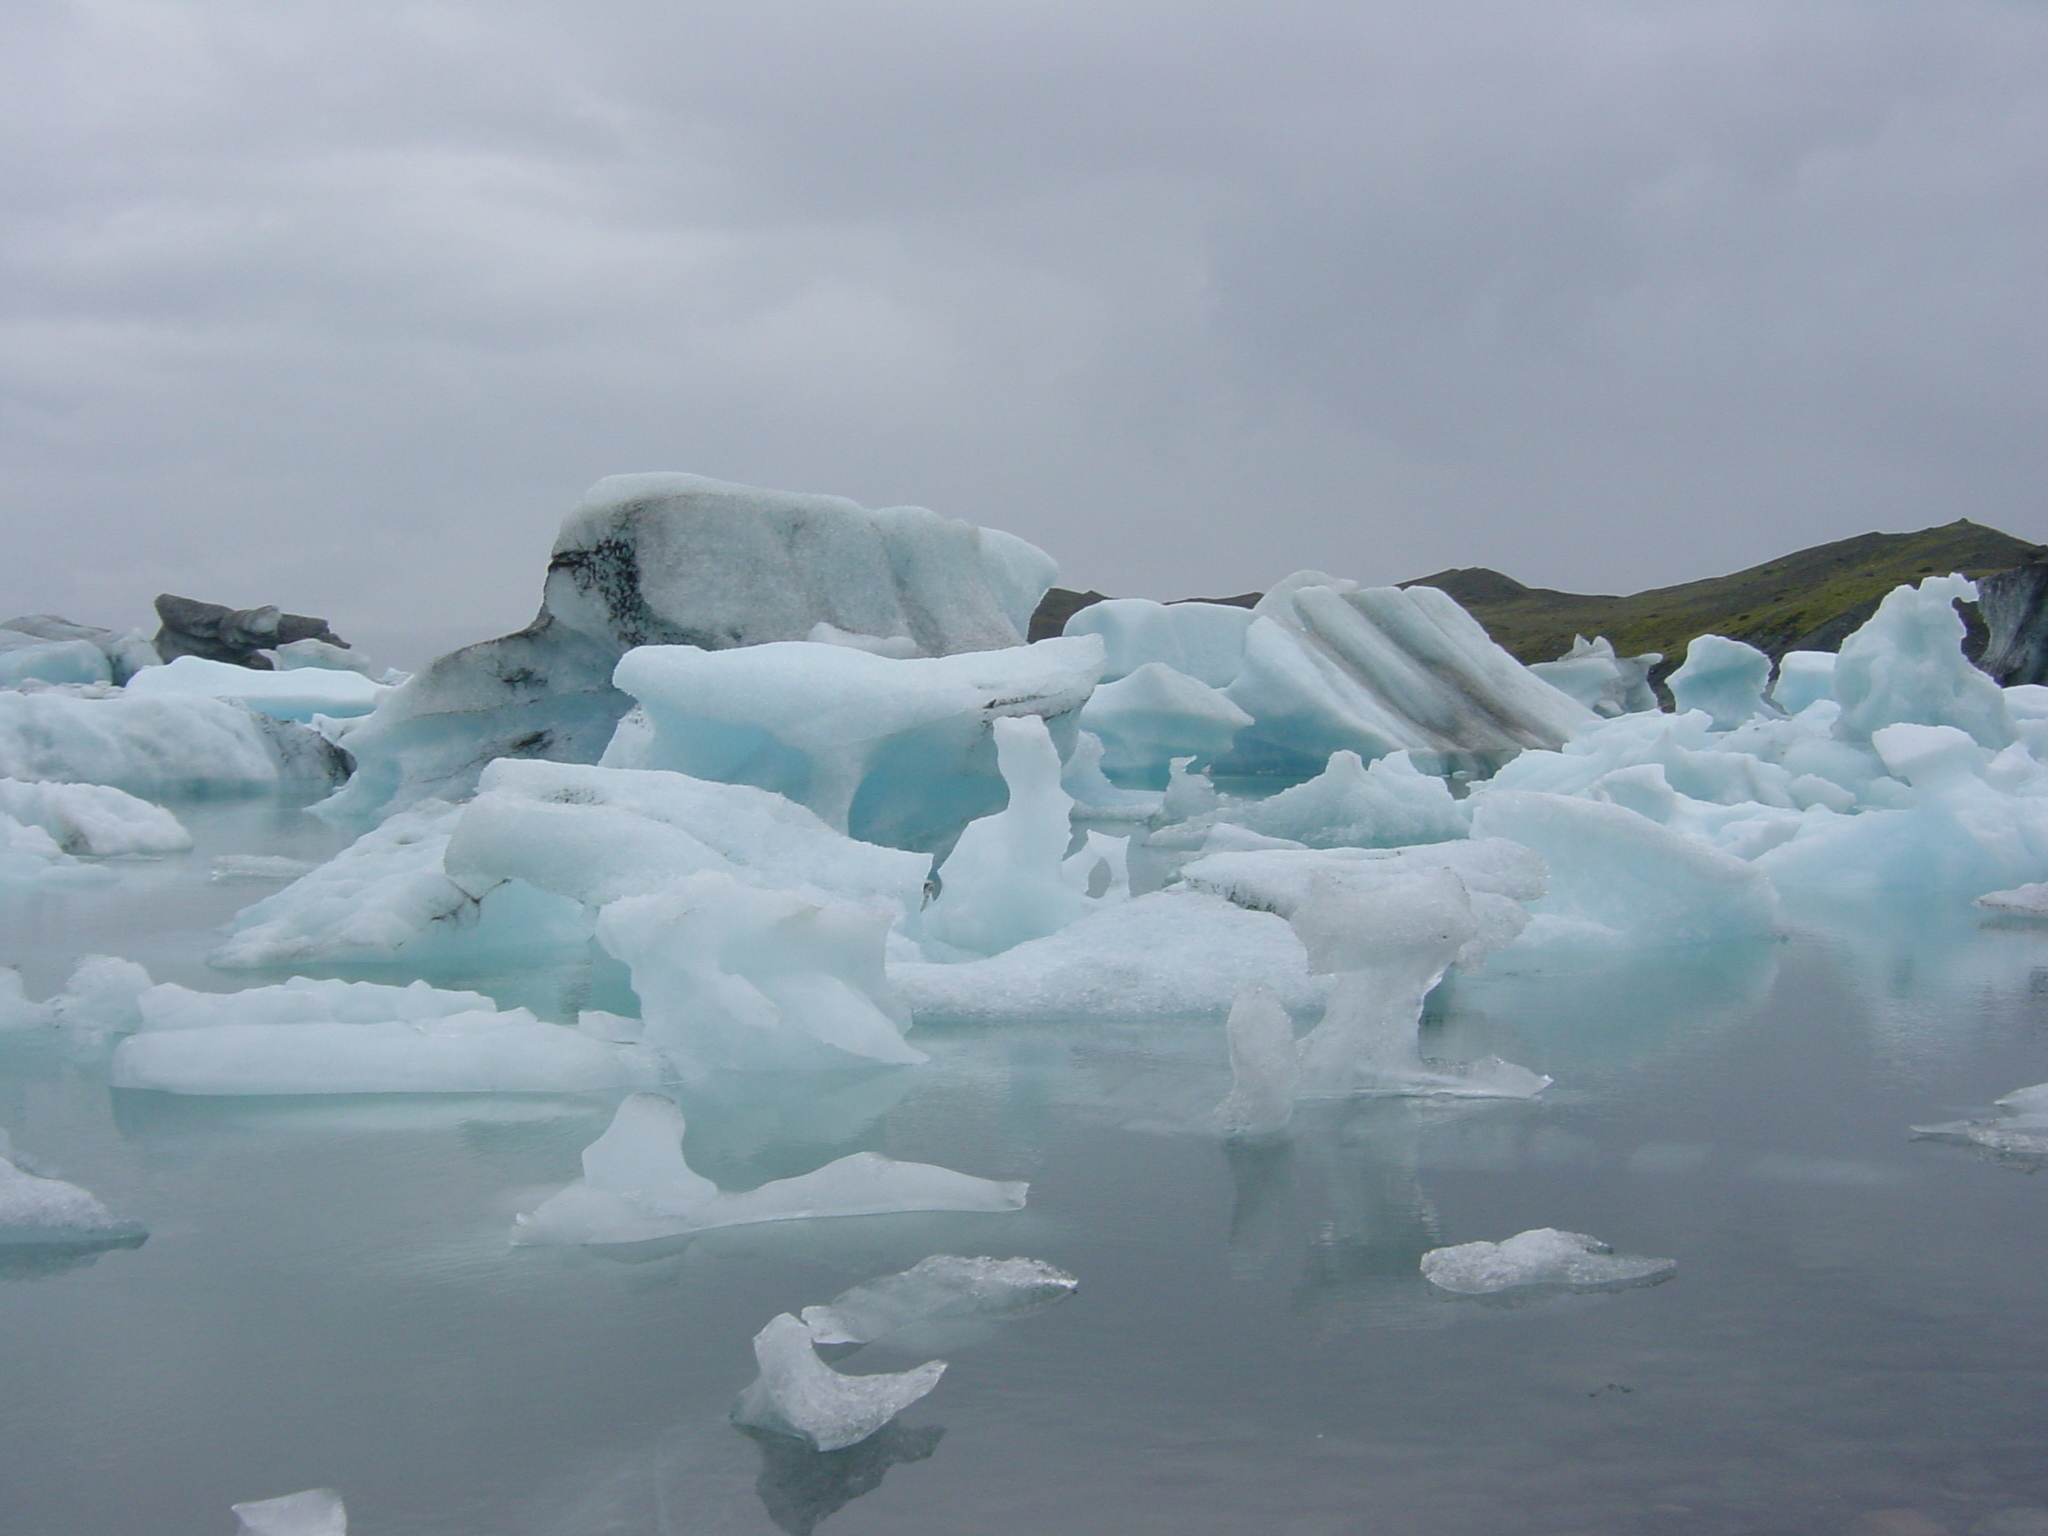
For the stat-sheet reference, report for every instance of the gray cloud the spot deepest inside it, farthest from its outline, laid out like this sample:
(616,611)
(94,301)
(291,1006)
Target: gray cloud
(341,306)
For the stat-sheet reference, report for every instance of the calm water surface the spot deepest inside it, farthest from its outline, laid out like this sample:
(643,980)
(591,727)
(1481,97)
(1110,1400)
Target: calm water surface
(1856,1338)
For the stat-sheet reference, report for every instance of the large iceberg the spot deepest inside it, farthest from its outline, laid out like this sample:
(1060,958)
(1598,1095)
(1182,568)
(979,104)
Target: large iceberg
(889,750)
(157,746)
(636,1187)
(680,560)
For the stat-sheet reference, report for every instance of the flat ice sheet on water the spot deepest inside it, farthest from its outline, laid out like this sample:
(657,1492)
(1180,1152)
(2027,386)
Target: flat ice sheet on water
(798,1394)
(315,1512)
(1543,1259)
(637,1187)
(2019,1132)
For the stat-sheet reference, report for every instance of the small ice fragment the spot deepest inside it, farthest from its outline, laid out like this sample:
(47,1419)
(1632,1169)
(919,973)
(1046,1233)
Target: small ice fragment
(37,1210)
(2028,900)
(2018,1134)
(942,1286)
(315,1512)
(1265,1065)
(798,1394)
(1541,1259)
(104,992)
(259,866)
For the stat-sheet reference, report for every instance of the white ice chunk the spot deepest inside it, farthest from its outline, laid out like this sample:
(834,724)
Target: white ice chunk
(1008,879)
(32,659)
(941,1287)
(30,856)
(169,744)
(1804,679)
(639,1188)
(1203,640)
(1387,804)
(1169,954)
(1331,666)
(596,834)
(388,897)
(104,992)
(1538,1260)
(1265,1066)
(298,655)
(2018,1133)
(95,820)
(730,976)
(1723,678)
(16,1011)
(900,646)
(1605,683)
(299,693)
(1907,664)
(1615,874)
(38,1210)
(1157,714)
(315,1512)
(892,751)
(2030,900)
(799,1394)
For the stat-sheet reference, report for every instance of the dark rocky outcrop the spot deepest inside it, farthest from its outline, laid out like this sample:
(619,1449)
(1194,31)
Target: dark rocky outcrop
(2014,608)
(216,632)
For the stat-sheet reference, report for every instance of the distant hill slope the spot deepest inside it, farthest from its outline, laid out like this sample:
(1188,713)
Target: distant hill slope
(1808,601)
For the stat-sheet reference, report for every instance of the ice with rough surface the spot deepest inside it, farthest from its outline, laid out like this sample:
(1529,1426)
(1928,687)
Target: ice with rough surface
(16,1011)
(2019,1132)
(1009,878)
(126,654)
(1389,803)
(734,977)
(596,834)
(104,993)
(38,1210)
(1605,683)
(95,820)
(638,1187)
(30,856)
(165,745)
(1724,678)
(315,1512)
(2030,900)
(1543,1259)
(938,1288)
(1332,666)
(891,751)
(1265,1066)
(388,898)
(1906,664)
(297,693)
(798,1394)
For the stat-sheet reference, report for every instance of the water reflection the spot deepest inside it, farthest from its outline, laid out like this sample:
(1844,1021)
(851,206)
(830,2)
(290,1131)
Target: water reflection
(800,1485)
(38,1261)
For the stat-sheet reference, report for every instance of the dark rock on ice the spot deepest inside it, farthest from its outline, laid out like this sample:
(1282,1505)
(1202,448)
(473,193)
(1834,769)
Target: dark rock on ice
(238,635)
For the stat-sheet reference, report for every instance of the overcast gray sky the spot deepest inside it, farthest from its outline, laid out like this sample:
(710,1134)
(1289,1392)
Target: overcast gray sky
(340,304)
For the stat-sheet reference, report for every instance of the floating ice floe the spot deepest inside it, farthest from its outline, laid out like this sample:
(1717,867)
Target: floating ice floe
(942,1287)
(798,1394)
(94,820)
(2019,1133)
(325,1037)
(165,745)
(30,856)
(2030,900)
(1543,1259)
(315,1512)
(40,1210)
(637,1187)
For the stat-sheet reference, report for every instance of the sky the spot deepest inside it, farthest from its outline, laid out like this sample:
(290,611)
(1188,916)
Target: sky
(342,304)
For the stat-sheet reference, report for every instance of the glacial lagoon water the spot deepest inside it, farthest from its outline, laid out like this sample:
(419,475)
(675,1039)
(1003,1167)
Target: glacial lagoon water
(1855,1338)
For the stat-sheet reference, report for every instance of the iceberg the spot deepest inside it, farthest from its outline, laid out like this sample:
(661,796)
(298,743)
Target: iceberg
(636,1187)
(1724,679)
(1331,666)
(125,655)
(889,751)
(670,561)
(298,693)
(30,856)
(388,899)
(1389,803)
(1605,683)
(939,1288)
(798,1394)
(95,820)
(1155,714)
(1906,665)
(596,834)
(1204,641)
(315,1512)
(734,977)
(27,661)
(1009,878)
(179,744)
(1543,1259)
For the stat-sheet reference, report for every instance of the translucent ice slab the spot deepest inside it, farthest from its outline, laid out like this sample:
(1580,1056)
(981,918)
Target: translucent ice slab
(1539,1260)
(798,1394)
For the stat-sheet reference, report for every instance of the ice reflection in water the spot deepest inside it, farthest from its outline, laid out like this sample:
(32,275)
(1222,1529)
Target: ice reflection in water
(800,1485)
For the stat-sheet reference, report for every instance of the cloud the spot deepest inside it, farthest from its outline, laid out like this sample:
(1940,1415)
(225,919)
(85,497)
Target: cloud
(340,306)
